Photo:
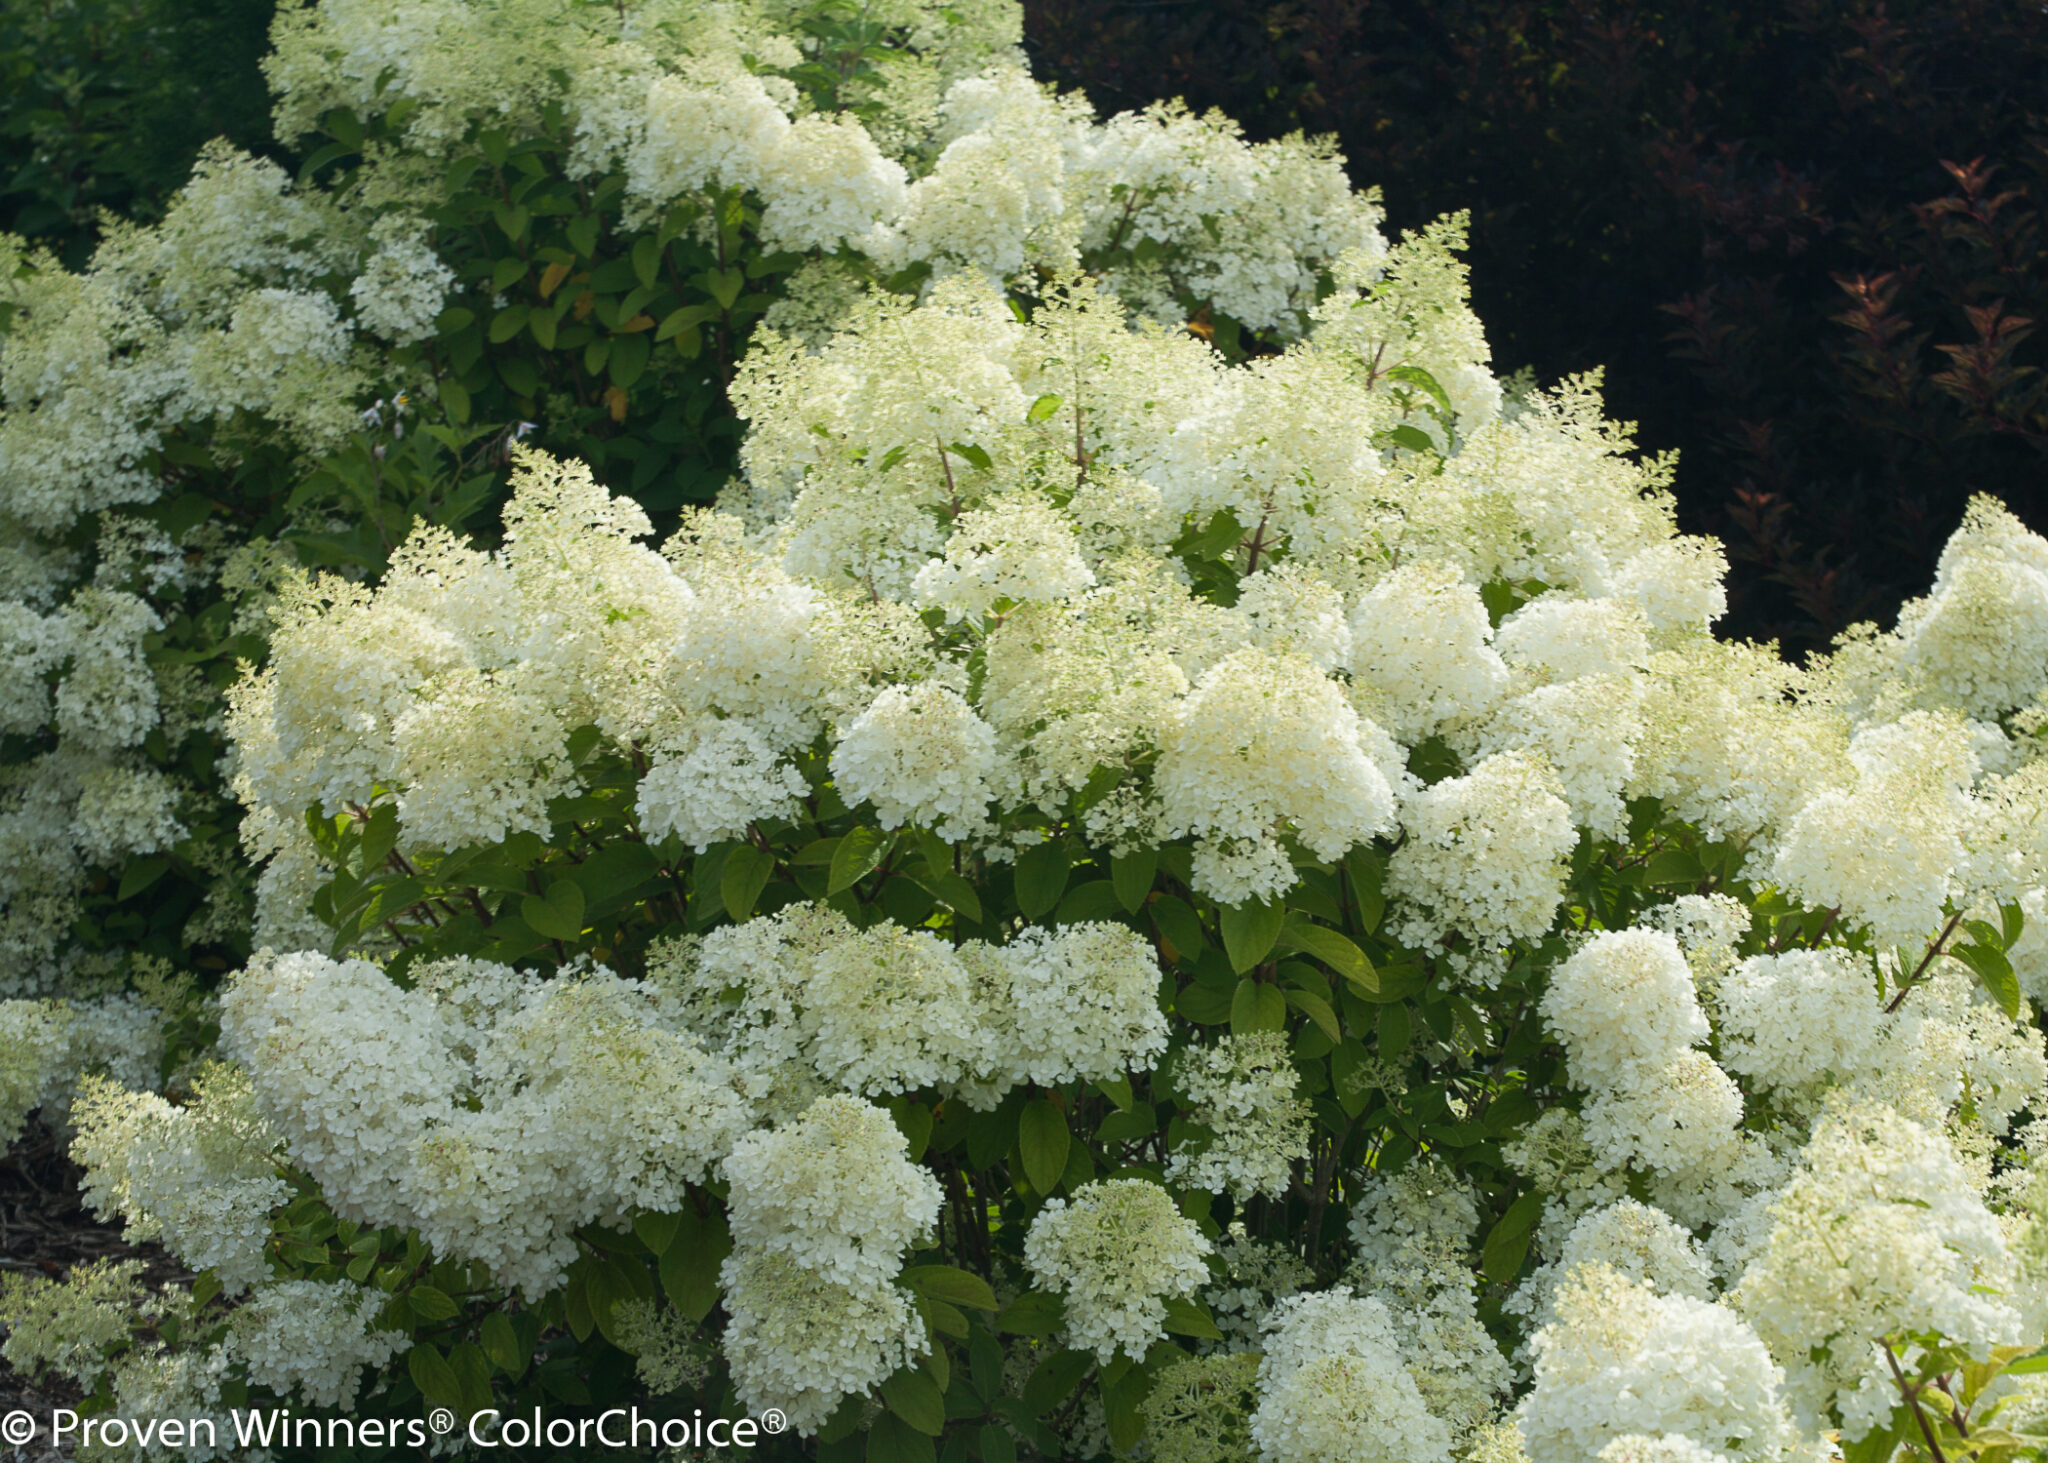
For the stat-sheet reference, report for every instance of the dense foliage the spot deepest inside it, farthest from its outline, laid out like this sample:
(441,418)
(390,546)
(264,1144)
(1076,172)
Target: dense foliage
(1174,869)
(1806,239)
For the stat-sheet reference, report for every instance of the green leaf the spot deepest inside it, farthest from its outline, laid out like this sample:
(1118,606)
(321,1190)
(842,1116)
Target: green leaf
(1042,1140)
(507,323)
(140,874)
(1250,931)
(1257,1006)
(646,259)
(689,1266)
(1335,950)
(472,1374)
(432,1304)
(1041,878)
(1034,1313)
(1414,439)
(1053,1381)
(559,915)
(892,1440)
(1132,874)
(2025,1366)
(856,856)
(915,1398)
(997,1446)
(1417,377)
(433,1376)
(380,836)
(950,890)
(677,321)
(1507,1243)
(1179,924)
(455,397)
(2013,921)
(950,1284)
(1674,868)
(1185,1317)
(657,1231)
(1127,1127)
(745,875)
(914,1121)
(1996,972)
(1317,1010)
(582,232)
(502,1345)
(1042,408)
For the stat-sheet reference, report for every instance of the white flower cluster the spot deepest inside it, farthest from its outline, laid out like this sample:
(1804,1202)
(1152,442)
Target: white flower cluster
(1334,1386)
(1243,1090)
(1118,1252)
(47,1047)
(312,1339)
(494,1112)
(801,1001)
(1621,1359)
(1880,1233)
(822,1209)
(201,1179)
(1625,1008)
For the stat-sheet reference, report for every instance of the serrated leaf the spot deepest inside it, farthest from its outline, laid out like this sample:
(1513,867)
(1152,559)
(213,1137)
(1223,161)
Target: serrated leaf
(855,857)
(1250,931)
(746,873)
(1042,1141)
(1041,878)
(1507,1243)
(559,914)
(952,1285)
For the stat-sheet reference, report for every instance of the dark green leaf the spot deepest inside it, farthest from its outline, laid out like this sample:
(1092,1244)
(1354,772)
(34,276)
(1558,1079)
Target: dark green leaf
(433,1376)
(558,915)
(1185,1317)
(746,873)
(1034,1313)
(1335,950)
(1042,1140)
(689,1266)
(1257,1006)
(952,1285)
(1132,874)
(1250,931)
(892,1440)
(657,1231)
(431,1304)
(502,1344)
(1053,1381)
(856,856)
(1507,1243)
(1041,878)
(915,1398)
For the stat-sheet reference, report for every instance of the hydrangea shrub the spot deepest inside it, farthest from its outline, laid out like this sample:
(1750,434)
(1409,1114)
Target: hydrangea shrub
(1105,900)
(538,221)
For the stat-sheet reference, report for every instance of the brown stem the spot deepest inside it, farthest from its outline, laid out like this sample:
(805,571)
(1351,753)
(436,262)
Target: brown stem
(1926,960)
(1912,1398)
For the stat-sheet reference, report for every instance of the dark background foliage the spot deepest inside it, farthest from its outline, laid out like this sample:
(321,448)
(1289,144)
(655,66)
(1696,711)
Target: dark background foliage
(1803,236)
(104,104)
